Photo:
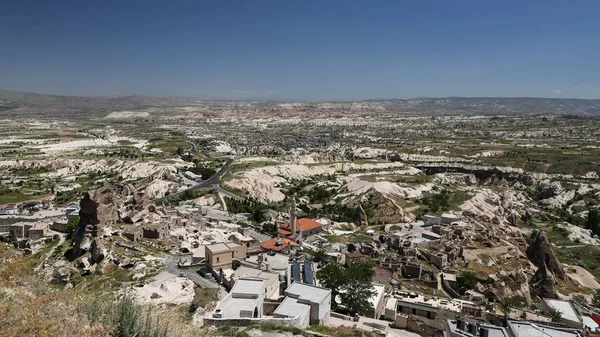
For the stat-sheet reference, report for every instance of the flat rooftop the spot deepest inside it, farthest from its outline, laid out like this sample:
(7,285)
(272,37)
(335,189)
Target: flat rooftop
(391,303)
(278,263)
(379,291)
(248,287)
(230,307)
(243,272)
(424,302)
(449,277)
(527,329)
(493,331)
(221,247)
(565,307)
(291,308)
(303,291)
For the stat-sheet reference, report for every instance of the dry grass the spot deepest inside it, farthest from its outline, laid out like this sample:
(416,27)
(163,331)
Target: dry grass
(30,307)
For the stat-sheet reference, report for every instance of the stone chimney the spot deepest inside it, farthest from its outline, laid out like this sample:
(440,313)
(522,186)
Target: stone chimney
(260,260)
(293,217)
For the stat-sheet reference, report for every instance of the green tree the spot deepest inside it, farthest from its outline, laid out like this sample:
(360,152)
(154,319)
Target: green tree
(71,226)
(555,315)
(319,255)
(466,281)
(596,299)
(506,306)
(332,276)
(580,299)
(593,221)
(353,285)
(270,228)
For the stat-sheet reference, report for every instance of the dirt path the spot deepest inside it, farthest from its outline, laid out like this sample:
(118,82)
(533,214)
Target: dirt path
(61,240)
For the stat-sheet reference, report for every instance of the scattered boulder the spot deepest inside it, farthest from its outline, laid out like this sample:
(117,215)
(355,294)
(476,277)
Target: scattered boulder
(63,275)
(544,282)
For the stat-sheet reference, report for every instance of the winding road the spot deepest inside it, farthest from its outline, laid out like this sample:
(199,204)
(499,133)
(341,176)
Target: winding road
(212,182)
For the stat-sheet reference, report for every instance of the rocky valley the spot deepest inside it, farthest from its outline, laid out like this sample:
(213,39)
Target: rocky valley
(487,208)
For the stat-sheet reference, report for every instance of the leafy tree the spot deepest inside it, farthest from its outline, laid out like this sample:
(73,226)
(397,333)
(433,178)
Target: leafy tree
(580,299)
(466,281)
(71,225)
(332,276)
(593,221)
(437,202)
(353,285)
(596,299)
(204,171)
(555,315)
(506,306)
(319,255)
(270,228)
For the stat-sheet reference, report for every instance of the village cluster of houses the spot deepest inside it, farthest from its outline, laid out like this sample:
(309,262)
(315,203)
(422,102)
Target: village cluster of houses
(269,282)
(22,208)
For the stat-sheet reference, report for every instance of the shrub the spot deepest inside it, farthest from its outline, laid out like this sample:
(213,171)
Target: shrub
(127,318)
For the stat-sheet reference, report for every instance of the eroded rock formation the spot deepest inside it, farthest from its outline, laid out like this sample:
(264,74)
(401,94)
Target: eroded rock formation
(98,209)
(540,253)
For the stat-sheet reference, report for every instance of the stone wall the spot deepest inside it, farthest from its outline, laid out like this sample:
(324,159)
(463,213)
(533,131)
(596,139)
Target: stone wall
(423,329)
(449,289)
(344,317)
(269,307)
(218,322)
(13,220)
(431,284)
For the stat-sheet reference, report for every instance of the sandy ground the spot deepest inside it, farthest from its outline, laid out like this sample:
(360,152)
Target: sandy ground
(473,254)
(127,114)
(126,169)
(583,235)
(166,289)
(261,182)
(158,188)
(73,145)
(583,277)
(358,187)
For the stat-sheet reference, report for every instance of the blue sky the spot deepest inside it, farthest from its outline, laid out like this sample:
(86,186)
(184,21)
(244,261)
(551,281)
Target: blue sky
(302,50)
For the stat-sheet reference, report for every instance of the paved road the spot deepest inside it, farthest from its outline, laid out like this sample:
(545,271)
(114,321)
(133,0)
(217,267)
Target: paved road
(210,182)
(227,193)
(191,274)
(216,178)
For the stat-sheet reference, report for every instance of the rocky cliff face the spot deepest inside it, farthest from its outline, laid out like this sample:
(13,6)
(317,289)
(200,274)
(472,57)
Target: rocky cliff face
(98,209)
(540,253)
(544,282)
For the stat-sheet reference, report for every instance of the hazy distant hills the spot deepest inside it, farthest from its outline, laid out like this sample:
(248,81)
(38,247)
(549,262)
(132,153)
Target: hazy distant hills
(20,103)
(494,105)
(24,102)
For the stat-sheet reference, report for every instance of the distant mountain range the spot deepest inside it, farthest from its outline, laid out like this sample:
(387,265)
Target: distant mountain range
(25,102)
(21,103)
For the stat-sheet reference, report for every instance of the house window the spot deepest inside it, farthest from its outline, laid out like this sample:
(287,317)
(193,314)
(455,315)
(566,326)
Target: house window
(217,260)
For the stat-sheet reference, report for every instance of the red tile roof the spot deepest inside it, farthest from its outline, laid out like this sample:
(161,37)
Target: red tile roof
(306,224)
(381,271)
(278,244)
(284,232)
(354,255)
